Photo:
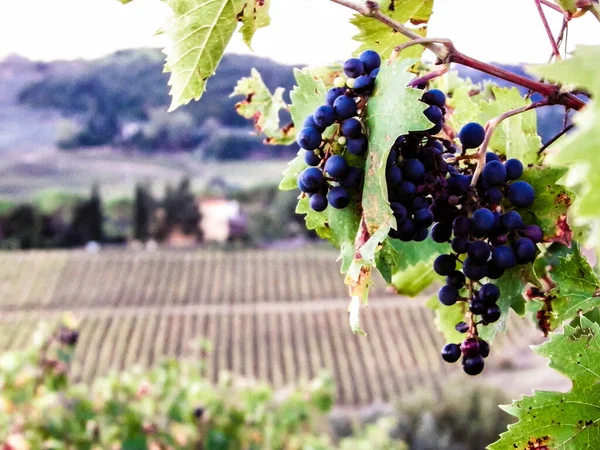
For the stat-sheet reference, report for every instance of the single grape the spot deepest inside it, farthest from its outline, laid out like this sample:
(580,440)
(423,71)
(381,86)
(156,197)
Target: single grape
(494,195)
(470,347)
(345,107)
(407,230)
(434,97)
(311,158)
(333,94)
(490,156)
(370,59)
(374,73)
(534,233)
(354,68)
(494,173)
(477,307)
(393,176)
(484,348)
(351,128)
(413,170)
(318,202)
(421,235)
(309,138)
(504,257)
(493,271)
(525,250)
(324,116)
(419,203)
(479,251)
(363,84)
(437,127)
(407,189)
(460,244)
(338,197)
(423,218)
(492,314)
(310,180)
(500,239)
(514,169)
(441,232)
(451,353)
(471,135)
(461,225)
(358,145)
(473,365)
(521,194)
(399,211)
(392,157)
(489,293)
(352,179)
(456,279)
(336,166)
(461,327)
(473,270)
(483,221)
(309,122)
(444,265)
(512,221)
(448,295)
(458,184)
(433,114)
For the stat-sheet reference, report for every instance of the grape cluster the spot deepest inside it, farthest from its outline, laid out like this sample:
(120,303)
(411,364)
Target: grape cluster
(330,177)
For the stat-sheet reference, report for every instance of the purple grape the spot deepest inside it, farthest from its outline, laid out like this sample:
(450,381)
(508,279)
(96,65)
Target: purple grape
(352,128)
(371,60)
(357,146)
(504,257)
(451,353)
(318,202)
(471,135)
(345,107)
(448,295)
(309,138)
(311,159)
(514,169)
(534,233)
(338,197)
(434,97)
(521,194)
(324,116)
(354,68)
(333,94)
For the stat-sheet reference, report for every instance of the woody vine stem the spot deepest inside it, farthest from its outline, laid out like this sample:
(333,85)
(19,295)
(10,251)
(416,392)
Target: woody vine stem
(447,53)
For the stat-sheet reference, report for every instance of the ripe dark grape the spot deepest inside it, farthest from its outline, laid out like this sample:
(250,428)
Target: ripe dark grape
(448,295)
(456,279)
(534,233)
(318,202)
(352,179)
(473,365)
(525,250)
(494,173)
(434,97)
(470,347)
(399,211)
(512,221)
(351,128)
(393,175)
(363,84)
(444,265)
(371,60)
(311,158)
(461,225)
(504,257)
(471,135)
(451,353)
(421,235)
(460,244)
(492,314)
(309,122)
(419,203)
(459,184)
(413,170)
(494,195)
(493,271)
(441,232)
(483,221)
(309,138)
(473,270)
(521,194)
(484,348)
(310,180)
(423,218)
(324,116)
(477,307)
(336,166)
(338,197)
(437,127)
(490,156)
(514,169)
(354,68)
(332,94)
(198,412)
(489,293)
(345,107)
(374,73)
(433,114)
(479,251)
(358,145)
(392,157)
(461,327)
(407,189)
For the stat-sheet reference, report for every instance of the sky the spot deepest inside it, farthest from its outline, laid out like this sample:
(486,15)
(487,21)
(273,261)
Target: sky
(302,31)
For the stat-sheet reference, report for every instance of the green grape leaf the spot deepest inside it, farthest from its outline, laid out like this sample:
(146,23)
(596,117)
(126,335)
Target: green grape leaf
(446,318)
(307,96)
(385,121)
(567,5)
(557,420)
(552,201)
(263,108)
(576,290)
(254,16)
(578,151)
(414,279)
(199,31)
(379,37)
(463,101)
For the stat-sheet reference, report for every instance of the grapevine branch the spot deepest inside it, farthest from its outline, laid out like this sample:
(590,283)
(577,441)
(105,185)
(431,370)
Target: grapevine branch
(447,53)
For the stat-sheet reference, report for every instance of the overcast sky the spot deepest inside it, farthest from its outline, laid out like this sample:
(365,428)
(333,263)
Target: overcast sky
(315,31)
